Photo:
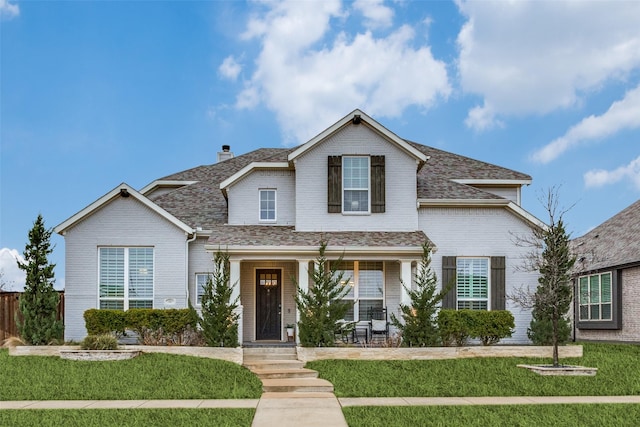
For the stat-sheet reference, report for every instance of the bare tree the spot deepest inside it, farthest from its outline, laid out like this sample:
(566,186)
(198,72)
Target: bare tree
(551,256)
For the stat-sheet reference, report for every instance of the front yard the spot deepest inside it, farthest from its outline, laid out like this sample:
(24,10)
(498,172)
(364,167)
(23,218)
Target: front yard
(161,376)
(618,374)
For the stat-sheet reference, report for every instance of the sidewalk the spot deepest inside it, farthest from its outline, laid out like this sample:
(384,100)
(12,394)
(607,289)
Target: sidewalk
(287,401)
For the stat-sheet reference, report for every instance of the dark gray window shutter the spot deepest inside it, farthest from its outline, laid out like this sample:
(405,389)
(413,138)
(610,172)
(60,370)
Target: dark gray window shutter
(377,184)
(498,295)
(334,185)
(449,279)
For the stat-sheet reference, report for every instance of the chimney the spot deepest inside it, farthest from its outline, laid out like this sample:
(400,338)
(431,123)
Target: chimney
(225,153)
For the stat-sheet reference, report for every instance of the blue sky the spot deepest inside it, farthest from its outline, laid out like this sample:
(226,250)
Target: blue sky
(93,94)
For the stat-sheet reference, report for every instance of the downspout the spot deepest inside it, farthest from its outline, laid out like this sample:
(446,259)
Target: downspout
(186,274)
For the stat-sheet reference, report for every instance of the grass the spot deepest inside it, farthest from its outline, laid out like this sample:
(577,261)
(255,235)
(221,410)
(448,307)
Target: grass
(148,376)
(617,375)
(524,415)
(127,417)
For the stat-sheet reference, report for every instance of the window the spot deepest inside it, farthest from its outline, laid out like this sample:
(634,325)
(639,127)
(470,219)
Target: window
(472,283)
(126,278)
(366,280)
(355,184)
(201,281)
(596,297)
(267,205)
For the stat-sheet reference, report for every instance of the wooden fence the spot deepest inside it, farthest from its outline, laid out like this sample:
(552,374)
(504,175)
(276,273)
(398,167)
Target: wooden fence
(9,307)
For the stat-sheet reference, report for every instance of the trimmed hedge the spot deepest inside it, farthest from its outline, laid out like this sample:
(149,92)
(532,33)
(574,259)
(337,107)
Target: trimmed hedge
(153,326)
(457,326)
(100,322)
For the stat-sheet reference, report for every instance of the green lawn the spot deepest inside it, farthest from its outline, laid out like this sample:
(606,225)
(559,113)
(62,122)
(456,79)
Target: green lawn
(148,376)
(618,374)
(467,416)
(127,417)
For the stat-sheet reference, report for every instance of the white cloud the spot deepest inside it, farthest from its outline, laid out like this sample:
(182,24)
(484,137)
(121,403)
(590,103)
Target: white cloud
(13,278)
(600,177)
(376,13)
(622,115)
(8,10)
(309,77)
(230,68)
(532,57)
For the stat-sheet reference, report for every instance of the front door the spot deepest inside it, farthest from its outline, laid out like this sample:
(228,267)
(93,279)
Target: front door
(268,304)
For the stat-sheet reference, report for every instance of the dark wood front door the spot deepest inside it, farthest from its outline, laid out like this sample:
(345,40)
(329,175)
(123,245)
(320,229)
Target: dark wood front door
(268,304)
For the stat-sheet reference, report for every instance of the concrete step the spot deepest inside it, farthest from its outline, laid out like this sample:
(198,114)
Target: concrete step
(285,373)
(270,353)
(287,385)
(273,364)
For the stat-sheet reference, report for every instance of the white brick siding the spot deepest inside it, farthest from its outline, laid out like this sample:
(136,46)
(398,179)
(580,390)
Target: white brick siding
(123,222)
(311,185)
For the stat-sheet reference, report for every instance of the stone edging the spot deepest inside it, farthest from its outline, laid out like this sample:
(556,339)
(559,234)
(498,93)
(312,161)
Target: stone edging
(99,355)
(307,354)
(564,371)
(230,354)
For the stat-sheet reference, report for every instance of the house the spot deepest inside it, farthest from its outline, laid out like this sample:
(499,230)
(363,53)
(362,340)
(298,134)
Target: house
(607,279)
(374,197)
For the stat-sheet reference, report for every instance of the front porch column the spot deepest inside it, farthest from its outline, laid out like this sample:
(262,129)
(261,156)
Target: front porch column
(234,282)
(407,280)
(303,284)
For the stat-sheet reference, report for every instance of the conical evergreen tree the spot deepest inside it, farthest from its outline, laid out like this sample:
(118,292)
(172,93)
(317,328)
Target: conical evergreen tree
(219,321)
(418,325)
(39,302)
(552,300)
(321,306)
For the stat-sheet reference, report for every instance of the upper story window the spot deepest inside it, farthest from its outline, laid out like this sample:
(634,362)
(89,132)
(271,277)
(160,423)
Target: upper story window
(268,205)
(596,297)
(356,184)
(126,278)
(472,283)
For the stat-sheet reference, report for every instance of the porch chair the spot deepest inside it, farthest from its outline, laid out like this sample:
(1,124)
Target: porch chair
(378,323)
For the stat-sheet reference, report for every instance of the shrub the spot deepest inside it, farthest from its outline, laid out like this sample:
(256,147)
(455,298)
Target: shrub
(417,324)
(163,327)
(99,342)
(99,322)
(491,326)
(219,321)
(321,306)
(457,326)
(153,326)
(454,327)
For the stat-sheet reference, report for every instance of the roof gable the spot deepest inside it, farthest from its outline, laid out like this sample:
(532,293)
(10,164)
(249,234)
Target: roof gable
(359,118)
(122,190)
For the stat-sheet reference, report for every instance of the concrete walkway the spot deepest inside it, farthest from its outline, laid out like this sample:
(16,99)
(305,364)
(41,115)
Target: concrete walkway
(285,401)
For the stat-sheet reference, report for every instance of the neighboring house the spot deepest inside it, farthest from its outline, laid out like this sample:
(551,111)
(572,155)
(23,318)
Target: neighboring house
(607,279)
(374,197)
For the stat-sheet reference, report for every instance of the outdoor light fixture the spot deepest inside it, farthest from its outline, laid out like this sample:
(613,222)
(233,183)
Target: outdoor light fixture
(356,119)
(124,192)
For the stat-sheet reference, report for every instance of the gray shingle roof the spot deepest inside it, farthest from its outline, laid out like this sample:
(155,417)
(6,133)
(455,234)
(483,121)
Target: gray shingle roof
(435,177)
(203,205)
(286,236)
(615,242)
